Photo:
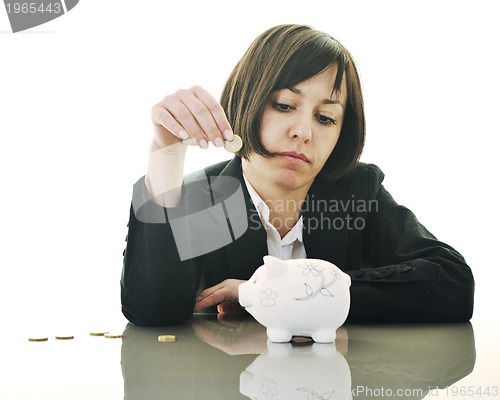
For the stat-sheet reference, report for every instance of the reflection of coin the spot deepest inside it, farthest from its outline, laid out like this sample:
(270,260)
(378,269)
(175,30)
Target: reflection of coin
(38,339)
(113,336)
(98,333)
(66,337)
(166,338)
(234,145)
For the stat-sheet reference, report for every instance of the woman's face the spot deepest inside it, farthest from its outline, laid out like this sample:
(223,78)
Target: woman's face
(301,126)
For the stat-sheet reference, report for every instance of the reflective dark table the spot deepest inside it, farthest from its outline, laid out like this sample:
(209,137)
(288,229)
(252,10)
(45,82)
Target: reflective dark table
(216,358)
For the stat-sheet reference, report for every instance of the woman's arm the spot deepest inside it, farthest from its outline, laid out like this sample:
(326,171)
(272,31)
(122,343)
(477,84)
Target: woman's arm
(157,288)
(409,275)
(158,285)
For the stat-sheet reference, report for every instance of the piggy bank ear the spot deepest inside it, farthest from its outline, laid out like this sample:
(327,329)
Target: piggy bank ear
(275,266)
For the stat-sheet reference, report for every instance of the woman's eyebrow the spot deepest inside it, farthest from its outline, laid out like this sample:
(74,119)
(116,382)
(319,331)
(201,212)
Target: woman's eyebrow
(335,100)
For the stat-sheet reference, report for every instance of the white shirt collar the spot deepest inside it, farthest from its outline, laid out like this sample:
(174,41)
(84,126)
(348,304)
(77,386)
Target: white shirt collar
(263,210)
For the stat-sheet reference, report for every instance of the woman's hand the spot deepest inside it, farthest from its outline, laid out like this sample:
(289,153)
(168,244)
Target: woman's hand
(223,292)
(190,113)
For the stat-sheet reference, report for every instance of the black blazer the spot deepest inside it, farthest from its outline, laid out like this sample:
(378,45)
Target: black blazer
(399,270)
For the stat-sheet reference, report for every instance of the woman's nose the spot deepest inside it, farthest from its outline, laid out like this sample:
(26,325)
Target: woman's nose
(301,129)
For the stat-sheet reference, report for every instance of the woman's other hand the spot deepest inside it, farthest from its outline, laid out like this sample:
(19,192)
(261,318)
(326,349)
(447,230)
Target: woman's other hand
(223,292)
(190,113)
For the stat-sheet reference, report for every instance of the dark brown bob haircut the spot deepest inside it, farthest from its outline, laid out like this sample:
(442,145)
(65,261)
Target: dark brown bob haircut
(281,58)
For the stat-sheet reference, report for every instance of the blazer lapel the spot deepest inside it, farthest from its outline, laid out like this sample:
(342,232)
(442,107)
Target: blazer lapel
(245,254)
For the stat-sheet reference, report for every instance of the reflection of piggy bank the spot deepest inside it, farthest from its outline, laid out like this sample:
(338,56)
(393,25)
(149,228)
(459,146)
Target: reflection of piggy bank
(304,297)
(289,372)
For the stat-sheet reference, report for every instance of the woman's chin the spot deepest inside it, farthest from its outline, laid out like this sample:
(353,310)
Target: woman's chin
(288,179)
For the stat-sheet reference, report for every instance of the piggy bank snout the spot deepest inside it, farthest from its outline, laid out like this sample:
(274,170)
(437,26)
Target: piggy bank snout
(244,297)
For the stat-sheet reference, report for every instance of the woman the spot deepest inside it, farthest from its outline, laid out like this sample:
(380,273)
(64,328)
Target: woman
(295,100)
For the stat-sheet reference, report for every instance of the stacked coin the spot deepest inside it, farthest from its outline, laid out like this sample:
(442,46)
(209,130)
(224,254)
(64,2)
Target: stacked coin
(166,338)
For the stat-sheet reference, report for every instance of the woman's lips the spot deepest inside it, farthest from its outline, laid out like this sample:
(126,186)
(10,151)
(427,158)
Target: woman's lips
(294,158)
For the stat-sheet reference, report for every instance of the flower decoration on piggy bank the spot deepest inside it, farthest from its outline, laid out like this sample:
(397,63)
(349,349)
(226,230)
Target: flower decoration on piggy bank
(302,297)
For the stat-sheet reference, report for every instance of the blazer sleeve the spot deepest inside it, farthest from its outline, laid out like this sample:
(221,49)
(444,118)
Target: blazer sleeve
(408,275)
(157,288)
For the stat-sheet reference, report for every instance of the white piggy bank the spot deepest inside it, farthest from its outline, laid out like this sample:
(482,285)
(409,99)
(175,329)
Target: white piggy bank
(303,297)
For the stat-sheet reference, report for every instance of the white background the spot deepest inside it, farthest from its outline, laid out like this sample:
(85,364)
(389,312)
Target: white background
(75,100)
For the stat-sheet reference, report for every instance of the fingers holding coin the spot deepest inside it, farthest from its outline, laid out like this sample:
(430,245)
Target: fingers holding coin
(193,116)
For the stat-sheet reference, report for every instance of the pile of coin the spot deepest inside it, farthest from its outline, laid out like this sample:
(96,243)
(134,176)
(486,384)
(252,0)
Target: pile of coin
(106,334)
(166,338)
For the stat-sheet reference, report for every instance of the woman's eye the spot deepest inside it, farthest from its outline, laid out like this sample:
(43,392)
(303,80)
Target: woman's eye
(325,120)
(282,107)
